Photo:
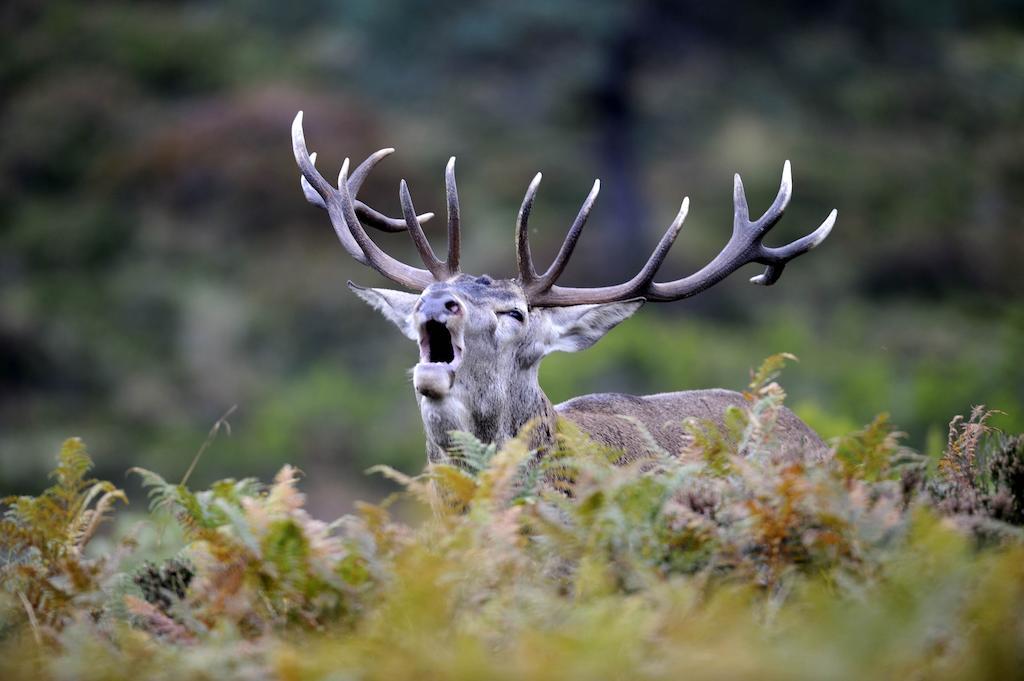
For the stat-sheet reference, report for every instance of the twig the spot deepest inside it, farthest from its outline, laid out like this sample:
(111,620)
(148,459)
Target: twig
(31,619)
(222,422)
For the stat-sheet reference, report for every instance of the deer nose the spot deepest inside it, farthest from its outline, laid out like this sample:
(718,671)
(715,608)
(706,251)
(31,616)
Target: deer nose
(440,305)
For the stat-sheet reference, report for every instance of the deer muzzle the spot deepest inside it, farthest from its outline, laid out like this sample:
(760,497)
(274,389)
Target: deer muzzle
(440,320)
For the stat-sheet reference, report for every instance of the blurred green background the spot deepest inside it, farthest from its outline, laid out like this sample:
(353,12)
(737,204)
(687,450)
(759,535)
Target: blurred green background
(158,263)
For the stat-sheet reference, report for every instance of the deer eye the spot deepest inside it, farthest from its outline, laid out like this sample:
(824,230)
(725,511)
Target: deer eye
(514,314)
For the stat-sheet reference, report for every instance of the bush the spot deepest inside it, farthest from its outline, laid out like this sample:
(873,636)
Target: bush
(730,560)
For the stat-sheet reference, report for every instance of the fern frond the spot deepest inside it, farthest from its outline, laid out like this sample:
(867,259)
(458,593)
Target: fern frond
(769,370)
(454,486)
(469,452)
(868,453)
(161,493)
(89,520)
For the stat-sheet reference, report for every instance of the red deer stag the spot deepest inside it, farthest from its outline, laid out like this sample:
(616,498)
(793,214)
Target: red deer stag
(481,340)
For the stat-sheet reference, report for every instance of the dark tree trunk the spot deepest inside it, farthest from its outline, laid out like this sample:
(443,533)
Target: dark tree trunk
(623,239)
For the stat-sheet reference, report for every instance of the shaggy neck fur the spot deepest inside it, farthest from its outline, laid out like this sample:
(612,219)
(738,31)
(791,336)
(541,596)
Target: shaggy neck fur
(485,403)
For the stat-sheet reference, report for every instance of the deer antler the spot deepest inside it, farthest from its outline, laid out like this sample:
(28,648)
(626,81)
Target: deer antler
(345,213)
(744,246)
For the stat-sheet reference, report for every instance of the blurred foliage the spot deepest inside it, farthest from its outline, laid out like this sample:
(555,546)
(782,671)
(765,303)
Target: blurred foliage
(733,561)
(42,540)
(158,263)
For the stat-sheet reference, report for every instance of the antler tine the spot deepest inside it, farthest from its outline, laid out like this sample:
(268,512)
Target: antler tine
(305,161)
(383,223)
(554,271)
(784,254)
(314,189)
(454,230)
(650,269)
(419,239)
(307,188)
(395,270)
(741,213)
(372,217)
(637,287)
(774,212)
(358,176)
(319,192)
(527,273)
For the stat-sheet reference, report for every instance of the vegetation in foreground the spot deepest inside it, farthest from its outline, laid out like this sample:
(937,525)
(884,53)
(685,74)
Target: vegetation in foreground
(734,560)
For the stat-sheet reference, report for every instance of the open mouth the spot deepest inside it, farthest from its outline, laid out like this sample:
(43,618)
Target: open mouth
(437,345)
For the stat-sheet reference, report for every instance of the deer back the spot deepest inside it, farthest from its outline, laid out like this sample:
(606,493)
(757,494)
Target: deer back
(650,424)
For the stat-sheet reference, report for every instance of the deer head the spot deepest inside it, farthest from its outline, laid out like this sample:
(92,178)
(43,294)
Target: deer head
(480,339)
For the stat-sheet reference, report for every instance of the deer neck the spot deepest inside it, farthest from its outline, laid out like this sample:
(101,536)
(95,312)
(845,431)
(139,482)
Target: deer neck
(492,407)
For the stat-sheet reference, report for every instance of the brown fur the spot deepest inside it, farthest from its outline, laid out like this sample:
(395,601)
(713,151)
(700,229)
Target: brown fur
(635,424)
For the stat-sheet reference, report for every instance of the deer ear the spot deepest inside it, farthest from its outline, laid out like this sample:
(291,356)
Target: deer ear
(396,306)
(577,327)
